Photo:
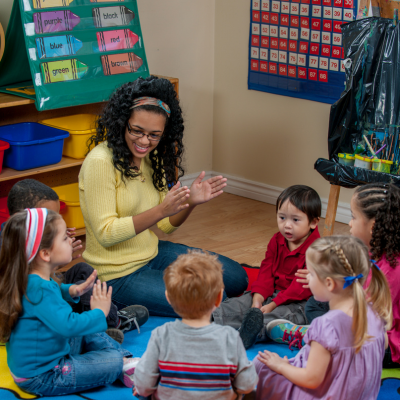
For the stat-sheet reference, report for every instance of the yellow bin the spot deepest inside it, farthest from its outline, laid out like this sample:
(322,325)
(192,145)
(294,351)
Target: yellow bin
(80,127)
(69,194)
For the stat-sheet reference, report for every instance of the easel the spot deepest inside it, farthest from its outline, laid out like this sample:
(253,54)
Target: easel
(333,200)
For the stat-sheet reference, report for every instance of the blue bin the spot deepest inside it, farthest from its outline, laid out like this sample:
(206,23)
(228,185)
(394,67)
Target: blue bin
(32,145)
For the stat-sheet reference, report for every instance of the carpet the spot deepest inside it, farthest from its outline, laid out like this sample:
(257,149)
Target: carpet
(137,345)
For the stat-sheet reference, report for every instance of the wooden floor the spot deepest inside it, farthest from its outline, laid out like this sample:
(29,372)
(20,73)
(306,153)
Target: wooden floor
(234,226)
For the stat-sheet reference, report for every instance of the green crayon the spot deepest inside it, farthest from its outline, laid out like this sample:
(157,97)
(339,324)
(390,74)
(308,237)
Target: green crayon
(61,71)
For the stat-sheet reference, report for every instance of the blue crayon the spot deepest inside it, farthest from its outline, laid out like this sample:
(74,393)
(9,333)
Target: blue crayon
(57,46)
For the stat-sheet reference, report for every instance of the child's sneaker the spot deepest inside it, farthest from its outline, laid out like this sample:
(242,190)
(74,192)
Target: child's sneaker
(128,370)
(115,334)
(251,326)
(284,331)
(132,317)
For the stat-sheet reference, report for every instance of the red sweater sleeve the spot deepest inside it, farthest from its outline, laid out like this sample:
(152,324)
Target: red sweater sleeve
(265,283)
(294,293)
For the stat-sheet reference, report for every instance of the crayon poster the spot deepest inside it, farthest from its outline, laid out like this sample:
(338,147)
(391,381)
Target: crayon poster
(78,51)
(295,47)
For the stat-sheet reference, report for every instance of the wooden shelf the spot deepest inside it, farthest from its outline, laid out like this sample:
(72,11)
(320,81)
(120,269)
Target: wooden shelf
(10,100)
(66,162)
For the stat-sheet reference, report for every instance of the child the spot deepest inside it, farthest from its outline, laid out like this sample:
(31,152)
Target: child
(30,193)
(375,220)
(276,294)
(342,358)
(194,358)
(51,350)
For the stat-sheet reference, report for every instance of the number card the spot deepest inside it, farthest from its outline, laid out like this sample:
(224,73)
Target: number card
(296,47)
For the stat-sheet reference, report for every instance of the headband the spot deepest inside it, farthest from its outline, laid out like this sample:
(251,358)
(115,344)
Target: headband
(35,222)
(151,101)
(349,280)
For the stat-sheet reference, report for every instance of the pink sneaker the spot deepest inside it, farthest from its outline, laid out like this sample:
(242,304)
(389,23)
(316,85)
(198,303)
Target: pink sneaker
(128,371)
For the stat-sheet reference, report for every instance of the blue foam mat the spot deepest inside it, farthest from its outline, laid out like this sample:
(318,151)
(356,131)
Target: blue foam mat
(137,343)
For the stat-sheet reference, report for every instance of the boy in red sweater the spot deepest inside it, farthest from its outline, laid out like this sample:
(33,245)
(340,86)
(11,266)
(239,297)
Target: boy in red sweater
(276,294)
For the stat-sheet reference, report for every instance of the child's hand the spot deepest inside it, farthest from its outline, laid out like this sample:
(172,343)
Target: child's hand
(303,275)
(100,298)
(258,299)
(135,393)
(272,360)
(79,290)
(76,244)
(268,308)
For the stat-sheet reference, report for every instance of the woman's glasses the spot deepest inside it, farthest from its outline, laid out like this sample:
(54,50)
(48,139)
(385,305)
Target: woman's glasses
(151,136)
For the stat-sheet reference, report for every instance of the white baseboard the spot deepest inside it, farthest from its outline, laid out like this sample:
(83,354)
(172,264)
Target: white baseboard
(263,192)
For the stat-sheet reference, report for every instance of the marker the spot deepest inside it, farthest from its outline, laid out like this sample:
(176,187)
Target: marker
(61,71)
(55,21)
(57,46)
(114,64)
(104,17)
(51,3)
(120,39)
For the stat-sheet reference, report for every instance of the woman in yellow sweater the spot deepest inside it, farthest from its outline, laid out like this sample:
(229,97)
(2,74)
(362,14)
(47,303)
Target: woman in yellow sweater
(123,189)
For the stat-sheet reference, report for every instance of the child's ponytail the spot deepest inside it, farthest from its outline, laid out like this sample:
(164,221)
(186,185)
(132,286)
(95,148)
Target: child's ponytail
(360,321)
(14,270)
(378,293)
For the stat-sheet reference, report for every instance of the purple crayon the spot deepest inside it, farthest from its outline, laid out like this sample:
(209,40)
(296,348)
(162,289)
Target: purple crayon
(55,21)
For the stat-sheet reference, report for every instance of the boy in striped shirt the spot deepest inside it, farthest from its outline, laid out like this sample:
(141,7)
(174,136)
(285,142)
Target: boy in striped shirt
(193,358)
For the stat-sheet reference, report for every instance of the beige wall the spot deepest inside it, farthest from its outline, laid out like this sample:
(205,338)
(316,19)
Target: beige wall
(260,136)
(179,41)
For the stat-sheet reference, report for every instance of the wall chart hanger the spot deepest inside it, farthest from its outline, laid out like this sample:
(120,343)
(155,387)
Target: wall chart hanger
(69,52)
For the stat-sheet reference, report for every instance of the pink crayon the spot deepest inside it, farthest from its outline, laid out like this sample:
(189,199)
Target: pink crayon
(120,39)
(55,21)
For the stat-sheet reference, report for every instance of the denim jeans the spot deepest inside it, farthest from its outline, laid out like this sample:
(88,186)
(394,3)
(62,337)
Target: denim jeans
(146,285)
(94,360)
(315,308)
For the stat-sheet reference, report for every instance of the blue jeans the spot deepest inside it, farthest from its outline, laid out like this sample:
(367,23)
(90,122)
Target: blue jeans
(315,309)
(94,360)
(146,285)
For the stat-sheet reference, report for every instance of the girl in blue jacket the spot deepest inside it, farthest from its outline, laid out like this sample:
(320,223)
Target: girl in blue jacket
(50,349)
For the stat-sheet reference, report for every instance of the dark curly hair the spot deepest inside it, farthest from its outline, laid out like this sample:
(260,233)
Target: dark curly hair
(381,202)
(166,158)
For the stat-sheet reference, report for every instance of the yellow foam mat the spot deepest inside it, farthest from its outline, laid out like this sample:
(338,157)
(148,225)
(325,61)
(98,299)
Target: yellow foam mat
(6,380)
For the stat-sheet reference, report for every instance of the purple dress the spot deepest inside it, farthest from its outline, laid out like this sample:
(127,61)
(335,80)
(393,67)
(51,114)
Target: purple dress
(349,375)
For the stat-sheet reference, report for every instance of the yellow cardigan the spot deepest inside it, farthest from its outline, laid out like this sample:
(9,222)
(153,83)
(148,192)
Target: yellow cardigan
(108,204)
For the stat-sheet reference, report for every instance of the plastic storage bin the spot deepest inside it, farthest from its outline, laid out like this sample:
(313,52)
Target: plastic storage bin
(4,213)
(81,127)
(70,195)
(362,162)
(3,146)
(32,145)
(346,159)
(381,165)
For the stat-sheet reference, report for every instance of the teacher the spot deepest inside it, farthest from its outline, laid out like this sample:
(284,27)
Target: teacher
(123,189)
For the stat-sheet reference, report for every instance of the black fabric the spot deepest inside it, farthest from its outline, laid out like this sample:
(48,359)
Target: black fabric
(351,177)
(387,360)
